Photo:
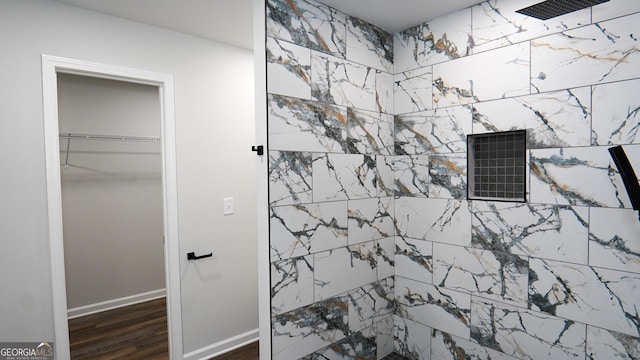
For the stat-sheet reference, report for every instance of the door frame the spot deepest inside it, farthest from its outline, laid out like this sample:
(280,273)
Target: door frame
(51,66)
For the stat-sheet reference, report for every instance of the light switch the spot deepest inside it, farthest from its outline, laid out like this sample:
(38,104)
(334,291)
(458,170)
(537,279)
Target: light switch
(228,206)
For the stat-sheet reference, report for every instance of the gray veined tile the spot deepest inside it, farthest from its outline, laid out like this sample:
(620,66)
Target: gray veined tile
(448,347)
(616,113)
(343,269)
(579,176)
(442,39)
(448,176)
(613,9)
(557,232)
(600,297)
(441,131)
(411,339)
(525,334)
(291,284)
(614,239)
(440,220)
(605,344)
(298,230)
(289,178)
(433,306)
(505,73)
(555,119)
(370,219)
(302,331)
(384,341)
(358,345)
(307,23)
(385,249)
(343,82)
(496,24)
(414,259)
(369,132)
(413,91)
(599,53)
(370,304)
(288,69)
(386,175)
(411,175)
(494,275)
(369,45)
(303,125)
(344,176)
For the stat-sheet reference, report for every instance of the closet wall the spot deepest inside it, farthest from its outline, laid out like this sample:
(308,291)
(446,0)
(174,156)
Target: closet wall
(111,191)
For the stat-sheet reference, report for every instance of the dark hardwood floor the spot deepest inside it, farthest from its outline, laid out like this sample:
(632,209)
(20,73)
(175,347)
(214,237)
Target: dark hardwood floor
(133,332)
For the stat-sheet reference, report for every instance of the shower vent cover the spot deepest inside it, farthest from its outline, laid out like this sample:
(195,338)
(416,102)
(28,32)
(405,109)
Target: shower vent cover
(552,8)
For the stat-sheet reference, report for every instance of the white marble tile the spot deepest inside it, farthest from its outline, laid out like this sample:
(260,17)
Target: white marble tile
(384,340)
(307,23)
(605,344)
(439,220)
(594,54)
(412,91)
(496,23)
(412,339)
(370,219)
(555,119)
(613,9)
(579,176)
(288,69)
(386,175)
(344,176)
(441,131)
(289,178)
(301,125)
(505,73)
(369,45)
(411,175)
(525,334)
(385,248)
(448,347)
(305,330)
(600,297)
(616,113)
(498,276)
(442,39)
(614,236)
(291,284)
(343,269)
(369,132)
(298,230)
(342,82)
(370,304)
(544,231)
(414,259)
(358,345)
(448,176)
(433,306)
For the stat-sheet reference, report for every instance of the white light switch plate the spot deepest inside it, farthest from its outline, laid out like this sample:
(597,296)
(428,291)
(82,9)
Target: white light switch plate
(228,206)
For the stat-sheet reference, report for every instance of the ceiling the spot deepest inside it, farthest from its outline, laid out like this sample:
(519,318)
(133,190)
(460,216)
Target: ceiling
(230,21)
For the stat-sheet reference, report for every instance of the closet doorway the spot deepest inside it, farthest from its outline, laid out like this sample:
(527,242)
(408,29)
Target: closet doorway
(112,194)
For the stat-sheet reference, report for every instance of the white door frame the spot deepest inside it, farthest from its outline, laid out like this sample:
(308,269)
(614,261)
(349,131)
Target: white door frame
(51,66)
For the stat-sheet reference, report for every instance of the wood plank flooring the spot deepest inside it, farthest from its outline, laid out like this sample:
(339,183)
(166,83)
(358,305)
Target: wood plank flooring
(133,332)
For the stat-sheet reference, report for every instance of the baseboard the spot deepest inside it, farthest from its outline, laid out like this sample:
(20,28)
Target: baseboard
(115,303)
(223,346)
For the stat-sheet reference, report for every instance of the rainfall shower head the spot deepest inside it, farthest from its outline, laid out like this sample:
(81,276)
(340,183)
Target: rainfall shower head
(552,8)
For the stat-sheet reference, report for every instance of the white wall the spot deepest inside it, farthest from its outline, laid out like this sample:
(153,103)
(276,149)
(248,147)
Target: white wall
(214,126)
(111,191)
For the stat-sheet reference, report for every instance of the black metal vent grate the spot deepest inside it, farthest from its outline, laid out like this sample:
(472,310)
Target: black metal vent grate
(552,8)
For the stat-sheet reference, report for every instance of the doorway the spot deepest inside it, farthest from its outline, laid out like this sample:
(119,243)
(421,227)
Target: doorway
(54,68)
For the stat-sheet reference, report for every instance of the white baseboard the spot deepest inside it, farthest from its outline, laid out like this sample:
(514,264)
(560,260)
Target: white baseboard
(115,303)
(223,346)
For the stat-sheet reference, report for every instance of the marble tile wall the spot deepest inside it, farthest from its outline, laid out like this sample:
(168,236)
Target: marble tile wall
(374,246)
(557,277)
